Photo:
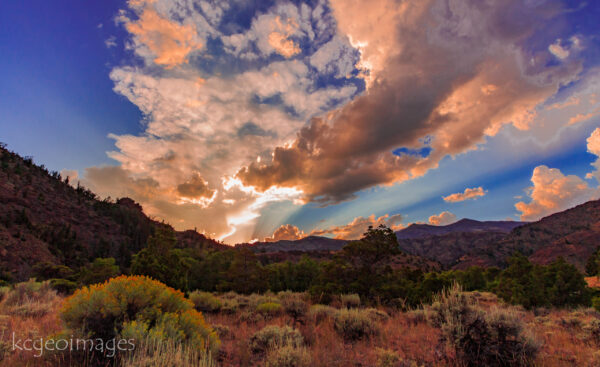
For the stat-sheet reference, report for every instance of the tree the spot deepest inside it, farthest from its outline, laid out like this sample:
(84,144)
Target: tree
(99,271)
(362,267)
(566,286)
(246,275)
(159,260)
(592,267)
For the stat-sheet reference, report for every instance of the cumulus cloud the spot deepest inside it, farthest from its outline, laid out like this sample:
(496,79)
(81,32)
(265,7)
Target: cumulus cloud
(201,126)
(433,69)
(286,232)
(593,146)
(169,41)
(442,219)
(237,116)
(552,191)
(468,194)
(357,227)
(562,49)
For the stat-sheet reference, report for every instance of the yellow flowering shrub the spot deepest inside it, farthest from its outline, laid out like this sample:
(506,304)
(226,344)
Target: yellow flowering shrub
(137,307)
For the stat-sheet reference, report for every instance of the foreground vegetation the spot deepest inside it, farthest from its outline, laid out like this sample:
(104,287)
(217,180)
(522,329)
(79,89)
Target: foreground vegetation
(198,307)
(287,329)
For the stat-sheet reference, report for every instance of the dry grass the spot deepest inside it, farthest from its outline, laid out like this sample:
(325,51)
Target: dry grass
(29,310)
(568,337)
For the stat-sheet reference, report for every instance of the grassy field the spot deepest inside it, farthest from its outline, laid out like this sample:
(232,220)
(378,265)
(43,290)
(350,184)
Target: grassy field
(286,329)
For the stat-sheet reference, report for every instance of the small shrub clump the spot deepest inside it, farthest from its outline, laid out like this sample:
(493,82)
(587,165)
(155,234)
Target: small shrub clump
(354,324)
(596,303)
(294,305)
(273,336)
(377,315)
(139,308)
(289,356)
(350,300)
(269,309)
(387,358)
(30,299)
(205,301)
(481,338)
(319,313)
(592,329)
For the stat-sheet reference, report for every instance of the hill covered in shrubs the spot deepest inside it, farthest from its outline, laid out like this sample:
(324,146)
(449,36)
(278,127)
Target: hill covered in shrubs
(44,218)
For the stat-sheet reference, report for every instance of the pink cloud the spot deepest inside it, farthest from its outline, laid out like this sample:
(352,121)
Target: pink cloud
(552,191)
(286,232)
(468,194)
(442,219)
(359,225)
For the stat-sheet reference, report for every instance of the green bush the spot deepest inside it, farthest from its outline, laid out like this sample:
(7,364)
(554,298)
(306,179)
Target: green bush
(30,299)
(319,313)
(377,315)
(289,356)
(205,301)
(479,338)
(273,336)
(354,324)
(140,308)
(63,286)
(269,309)
(229,306)
(350,300)
(592,329)
(293,304)
(387,358)
(596,303)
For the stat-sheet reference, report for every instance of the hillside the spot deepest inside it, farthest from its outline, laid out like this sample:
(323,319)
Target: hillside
(45,219)
(573,234)
(464,225)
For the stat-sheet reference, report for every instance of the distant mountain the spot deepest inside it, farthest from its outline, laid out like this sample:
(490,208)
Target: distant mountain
(573,234)
(463,225)
(45,219)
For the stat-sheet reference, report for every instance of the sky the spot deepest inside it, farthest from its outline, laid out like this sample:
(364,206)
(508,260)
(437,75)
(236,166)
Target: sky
(267,120)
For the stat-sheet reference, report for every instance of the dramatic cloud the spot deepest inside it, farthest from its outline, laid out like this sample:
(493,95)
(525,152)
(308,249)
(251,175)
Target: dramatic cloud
(593,146)
(442,219)
(355,229)
(468,194)
(202,125)
(286,232)
(247,105)
(442,75)
(167,40)
(552,192)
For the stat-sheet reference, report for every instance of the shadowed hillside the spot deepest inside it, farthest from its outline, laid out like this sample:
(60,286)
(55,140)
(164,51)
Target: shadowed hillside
(43,218)
(573,234)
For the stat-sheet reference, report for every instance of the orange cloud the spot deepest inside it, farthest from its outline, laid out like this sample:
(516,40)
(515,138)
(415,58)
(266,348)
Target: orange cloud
(552,192)
(432,84)
(169,41)
(593,146)
(442,219)
(468,194)
(355,229)
(286,232)
(279,39)
(195,188)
